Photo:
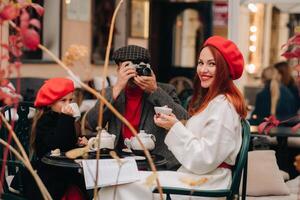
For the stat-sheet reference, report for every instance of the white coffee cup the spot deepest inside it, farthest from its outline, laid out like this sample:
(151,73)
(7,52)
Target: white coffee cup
(163,109)
(76,111)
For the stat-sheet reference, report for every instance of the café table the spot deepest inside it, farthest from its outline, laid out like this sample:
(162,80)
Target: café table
(282,134)
(280,131)
(142,163)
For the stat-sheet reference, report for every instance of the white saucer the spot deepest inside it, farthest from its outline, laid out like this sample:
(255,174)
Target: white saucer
(139,157)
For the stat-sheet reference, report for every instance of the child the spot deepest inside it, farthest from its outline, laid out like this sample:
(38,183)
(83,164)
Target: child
(53,128)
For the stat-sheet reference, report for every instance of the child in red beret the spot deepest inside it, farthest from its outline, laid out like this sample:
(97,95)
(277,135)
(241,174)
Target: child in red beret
(54,128)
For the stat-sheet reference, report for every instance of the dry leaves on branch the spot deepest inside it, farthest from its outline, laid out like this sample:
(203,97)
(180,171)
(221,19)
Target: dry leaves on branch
(74,53)
(114,155)
(151,179)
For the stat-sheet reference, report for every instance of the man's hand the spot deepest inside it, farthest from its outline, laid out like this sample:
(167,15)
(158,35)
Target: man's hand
(146,83)
(124,74)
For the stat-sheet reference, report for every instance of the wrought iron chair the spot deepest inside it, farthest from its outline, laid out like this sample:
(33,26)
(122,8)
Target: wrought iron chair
(21,118)
(239,171)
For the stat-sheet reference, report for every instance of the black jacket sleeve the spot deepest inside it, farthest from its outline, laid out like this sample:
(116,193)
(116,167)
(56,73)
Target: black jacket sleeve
(55,131)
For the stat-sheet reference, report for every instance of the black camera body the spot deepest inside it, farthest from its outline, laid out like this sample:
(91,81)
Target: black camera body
(142,69)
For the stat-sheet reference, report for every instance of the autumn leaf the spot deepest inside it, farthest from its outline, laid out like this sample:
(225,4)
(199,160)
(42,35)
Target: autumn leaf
(36,23)
(15,45)
(30,39)
(289,55)
(9,12)
(269,123)
(24,18)
(150,180)
(114,155)
(193,182)
(39,9)
(296,52)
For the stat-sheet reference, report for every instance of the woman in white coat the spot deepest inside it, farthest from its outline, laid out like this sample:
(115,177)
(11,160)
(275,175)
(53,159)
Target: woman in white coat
(208,144)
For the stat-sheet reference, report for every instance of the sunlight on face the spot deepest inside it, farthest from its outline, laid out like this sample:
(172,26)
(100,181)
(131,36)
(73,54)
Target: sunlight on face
(206,68)
(57,106)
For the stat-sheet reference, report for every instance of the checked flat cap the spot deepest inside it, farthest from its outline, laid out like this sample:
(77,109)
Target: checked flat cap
(133,53)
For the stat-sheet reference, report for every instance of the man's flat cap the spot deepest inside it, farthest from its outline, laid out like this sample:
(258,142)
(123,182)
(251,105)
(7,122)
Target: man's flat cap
(133,53)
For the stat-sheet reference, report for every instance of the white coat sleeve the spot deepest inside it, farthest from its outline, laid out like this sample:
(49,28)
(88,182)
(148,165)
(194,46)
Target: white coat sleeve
(204,154)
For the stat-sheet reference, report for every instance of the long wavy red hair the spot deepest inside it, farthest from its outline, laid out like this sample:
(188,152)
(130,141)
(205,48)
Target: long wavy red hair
(222,84)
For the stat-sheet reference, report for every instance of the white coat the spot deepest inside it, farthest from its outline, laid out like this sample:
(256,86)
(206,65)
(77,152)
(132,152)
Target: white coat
(208,139)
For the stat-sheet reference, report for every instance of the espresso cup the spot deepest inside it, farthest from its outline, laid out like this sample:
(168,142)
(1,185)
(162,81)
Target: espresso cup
(163,109)
(76,111)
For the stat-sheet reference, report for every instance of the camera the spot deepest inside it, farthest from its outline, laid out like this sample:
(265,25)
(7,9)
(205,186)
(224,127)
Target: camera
(142,69)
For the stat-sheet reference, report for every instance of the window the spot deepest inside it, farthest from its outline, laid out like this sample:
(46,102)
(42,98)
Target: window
(50,32)
(102,15)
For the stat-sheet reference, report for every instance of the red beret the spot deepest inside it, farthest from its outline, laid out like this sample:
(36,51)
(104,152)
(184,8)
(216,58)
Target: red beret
(53,90)
(230,52)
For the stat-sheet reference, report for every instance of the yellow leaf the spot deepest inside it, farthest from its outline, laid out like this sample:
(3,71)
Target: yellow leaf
(192,182)
(150,180)
(114,155)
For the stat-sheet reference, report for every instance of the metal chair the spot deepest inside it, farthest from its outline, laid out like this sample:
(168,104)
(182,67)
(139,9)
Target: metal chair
(21,118)
(239,171)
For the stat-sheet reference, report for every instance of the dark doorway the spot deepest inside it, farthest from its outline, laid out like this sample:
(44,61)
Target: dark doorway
(164,41)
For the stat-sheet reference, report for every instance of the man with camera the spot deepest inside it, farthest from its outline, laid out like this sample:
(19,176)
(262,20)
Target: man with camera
(135,94)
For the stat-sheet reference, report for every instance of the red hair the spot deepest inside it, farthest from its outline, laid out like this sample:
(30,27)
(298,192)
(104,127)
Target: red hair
(222,84)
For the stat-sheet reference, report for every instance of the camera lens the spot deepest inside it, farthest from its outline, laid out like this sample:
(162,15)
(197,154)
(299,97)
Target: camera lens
(146,71)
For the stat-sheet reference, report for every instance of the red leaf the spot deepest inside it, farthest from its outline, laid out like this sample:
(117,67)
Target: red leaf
(295,128)
(288,42)
(15,45)
(5,46)
(261,127)
(289,55)
(269,123)
(30,38)
(24,19)
(39,9)
(296,52)
(9,12)
(36,23)
(295,40)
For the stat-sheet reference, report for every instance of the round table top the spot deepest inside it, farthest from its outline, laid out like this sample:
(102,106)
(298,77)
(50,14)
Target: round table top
(62,161)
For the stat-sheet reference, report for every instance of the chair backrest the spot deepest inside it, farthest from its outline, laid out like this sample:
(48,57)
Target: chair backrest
(21,118)
(241,161)
(239,170)
(29,86)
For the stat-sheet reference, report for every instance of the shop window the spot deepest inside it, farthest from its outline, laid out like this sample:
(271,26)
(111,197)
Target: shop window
(187,29)
(50,32)
(102,15)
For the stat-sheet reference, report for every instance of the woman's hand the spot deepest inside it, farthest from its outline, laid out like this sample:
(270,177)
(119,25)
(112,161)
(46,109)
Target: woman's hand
(165,121)
(82,141)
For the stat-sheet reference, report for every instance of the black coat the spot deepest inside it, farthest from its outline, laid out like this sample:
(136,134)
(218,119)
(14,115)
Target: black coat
(53,131)
(164,95)
(286,106)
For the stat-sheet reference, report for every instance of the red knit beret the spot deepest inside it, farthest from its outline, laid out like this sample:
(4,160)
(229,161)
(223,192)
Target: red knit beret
(230,52)
(53,90)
